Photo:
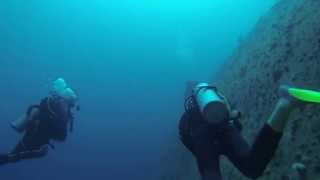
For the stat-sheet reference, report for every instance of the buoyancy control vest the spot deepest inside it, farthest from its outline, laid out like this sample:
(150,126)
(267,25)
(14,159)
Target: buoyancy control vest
(52,121)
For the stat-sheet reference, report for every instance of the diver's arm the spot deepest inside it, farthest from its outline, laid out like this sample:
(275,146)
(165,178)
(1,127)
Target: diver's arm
(25,120)
(33,114)
(32,117)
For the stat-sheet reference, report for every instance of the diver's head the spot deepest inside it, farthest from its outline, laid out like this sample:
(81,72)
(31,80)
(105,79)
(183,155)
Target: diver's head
(61,91)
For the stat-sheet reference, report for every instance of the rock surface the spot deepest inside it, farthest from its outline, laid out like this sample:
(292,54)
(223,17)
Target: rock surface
(284,48)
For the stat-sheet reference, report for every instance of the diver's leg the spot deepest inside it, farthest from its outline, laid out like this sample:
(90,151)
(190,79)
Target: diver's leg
(207,156)
(206,152)
(285,105)
(4,159)
(209,168)
(24,150)
(251,161)
(195,135)
(12,156)
(29,154)
(279,117)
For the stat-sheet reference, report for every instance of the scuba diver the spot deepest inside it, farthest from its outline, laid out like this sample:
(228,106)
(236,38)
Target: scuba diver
(42,123)
(210,128)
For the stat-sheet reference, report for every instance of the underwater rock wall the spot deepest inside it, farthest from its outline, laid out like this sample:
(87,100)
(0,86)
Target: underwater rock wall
(284,48)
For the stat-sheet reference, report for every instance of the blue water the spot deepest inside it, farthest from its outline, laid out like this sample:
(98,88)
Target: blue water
(127,59)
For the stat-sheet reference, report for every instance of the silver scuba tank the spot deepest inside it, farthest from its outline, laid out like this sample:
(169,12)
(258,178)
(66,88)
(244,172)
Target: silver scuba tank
(211,104)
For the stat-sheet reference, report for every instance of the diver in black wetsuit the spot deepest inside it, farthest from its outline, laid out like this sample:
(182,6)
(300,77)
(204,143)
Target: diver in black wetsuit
(208,141)
(42,123)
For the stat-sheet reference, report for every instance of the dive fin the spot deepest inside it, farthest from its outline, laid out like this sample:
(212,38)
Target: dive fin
(305,95)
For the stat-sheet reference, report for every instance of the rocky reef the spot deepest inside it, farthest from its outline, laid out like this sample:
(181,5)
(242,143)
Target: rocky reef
(283,48)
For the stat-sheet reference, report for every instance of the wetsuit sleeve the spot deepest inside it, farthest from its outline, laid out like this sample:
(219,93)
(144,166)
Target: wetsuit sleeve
(33,117)
(251,161)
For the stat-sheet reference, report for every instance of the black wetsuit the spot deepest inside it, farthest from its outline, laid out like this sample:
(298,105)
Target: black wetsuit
(207,145)
(51,124)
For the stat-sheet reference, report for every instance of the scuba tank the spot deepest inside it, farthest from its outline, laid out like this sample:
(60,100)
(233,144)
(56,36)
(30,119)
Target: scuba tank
(211,104)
